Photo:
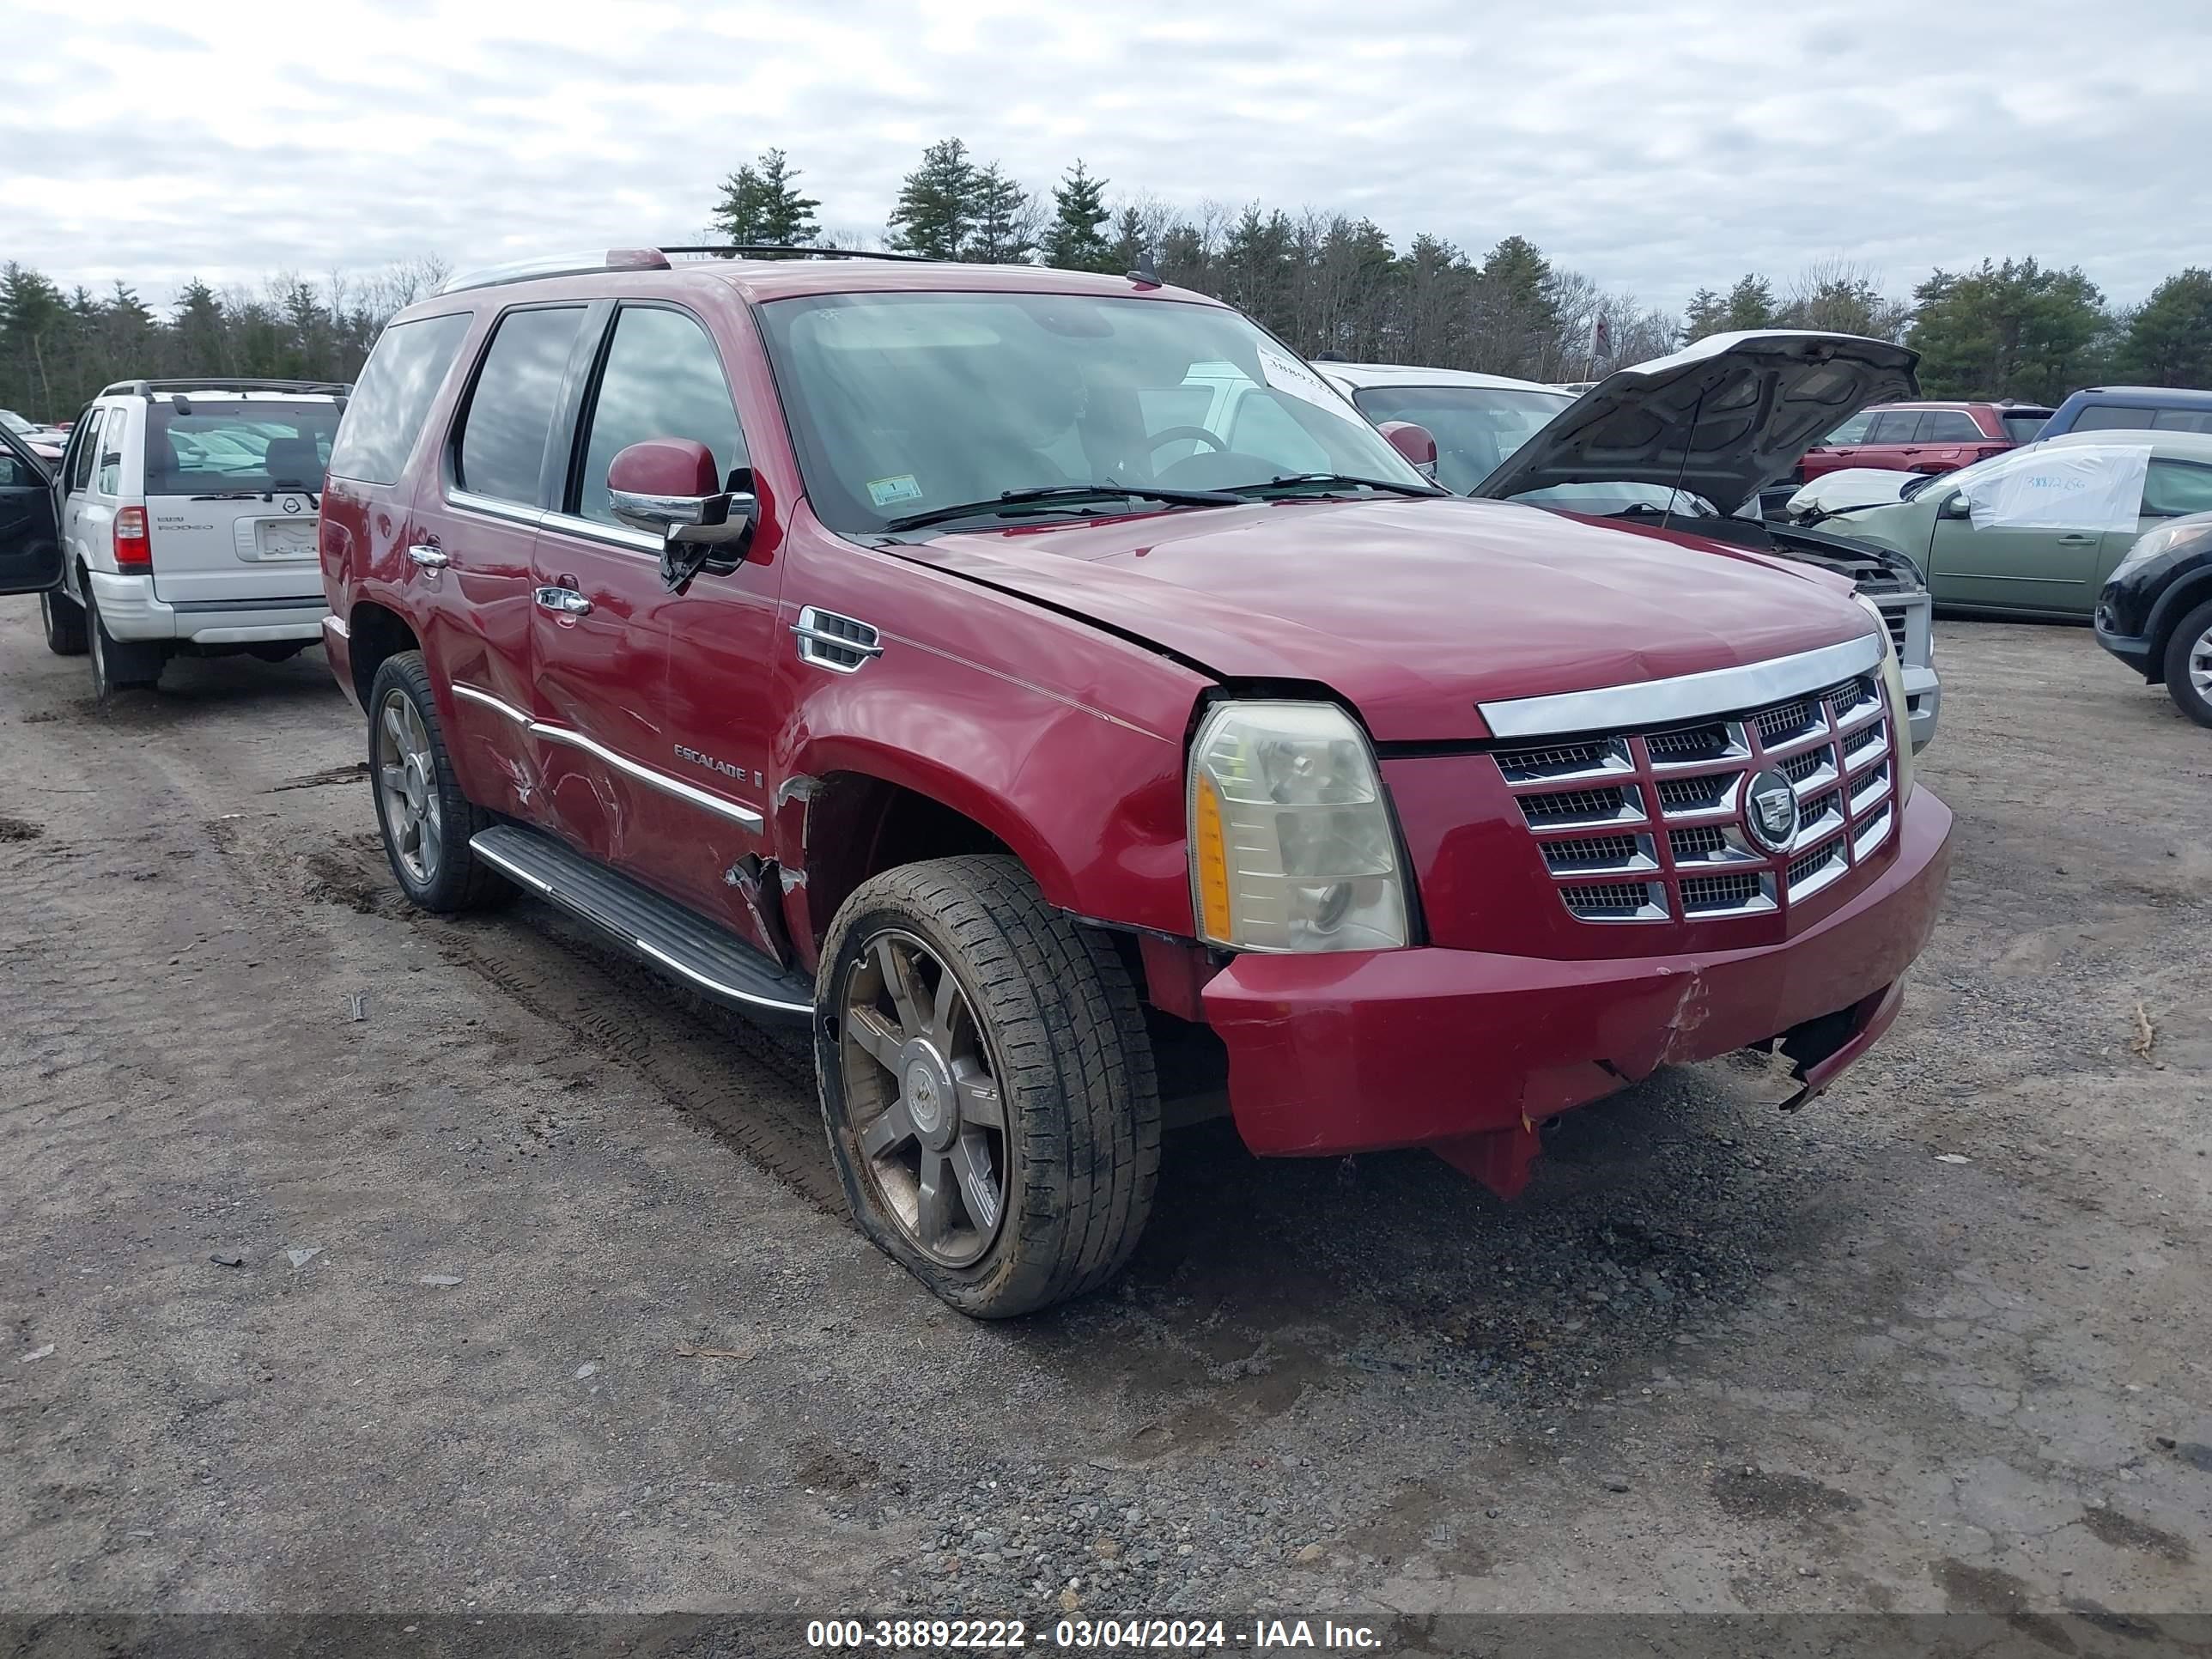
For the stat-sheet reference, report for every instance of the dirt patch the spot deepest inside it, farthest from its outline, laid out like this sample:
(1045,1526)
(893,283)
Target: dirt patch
(19,829)
(2124,1531)
(1768,1494)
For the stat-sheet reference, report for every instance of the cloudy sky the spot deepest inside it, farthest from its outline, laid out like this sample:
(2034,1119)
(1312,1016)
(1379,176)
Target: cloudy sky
(1656,145)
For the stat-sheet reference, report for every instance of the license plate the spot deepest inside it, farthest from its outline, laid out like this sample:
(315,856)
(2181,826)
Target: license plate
(285,538)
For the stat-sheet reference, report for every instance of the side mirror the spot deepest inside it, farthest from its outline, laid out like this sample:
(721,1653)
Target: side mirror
(1416,443)
(665,483)
(1956,506)
(668,487)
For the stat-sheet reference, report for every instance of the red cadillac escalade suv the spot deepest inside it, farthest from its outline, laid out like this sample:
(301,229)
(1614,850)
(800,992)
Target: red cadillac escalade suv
(938,656)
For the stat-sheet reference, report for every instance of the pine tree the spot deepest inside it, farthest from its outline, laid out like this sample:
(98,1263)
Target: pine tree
(760,205)
(1750,305)
(1077,240)
(935,215)
(1004,221)
(1707,314)
(2169,341)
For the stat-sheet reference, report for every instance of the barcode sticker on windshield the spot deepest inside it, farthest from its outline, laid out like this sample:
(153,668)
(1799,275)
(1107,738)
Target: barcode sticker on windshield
(1287,375)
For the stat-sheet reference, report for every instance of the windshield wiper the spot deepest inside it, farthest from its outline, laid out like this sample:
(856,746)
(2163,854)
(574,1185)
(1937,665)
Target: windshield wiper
(1045,494)
(1339,480)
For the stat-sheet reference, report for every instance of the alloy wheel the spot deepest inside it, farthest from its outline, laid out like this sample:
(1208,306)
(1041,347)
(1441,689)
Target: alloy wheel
(2200,665)
(927,1115)
(406,776)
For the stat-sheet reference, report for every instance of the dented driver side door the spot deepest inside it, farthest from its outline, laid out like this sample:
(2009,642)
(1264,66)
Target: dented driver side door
(654,699)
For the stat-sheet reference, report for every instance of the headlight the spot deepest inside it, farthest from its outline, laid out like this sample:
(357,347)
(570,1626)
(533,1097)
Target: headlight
(2148,547)
(1892,693)
(1291,843)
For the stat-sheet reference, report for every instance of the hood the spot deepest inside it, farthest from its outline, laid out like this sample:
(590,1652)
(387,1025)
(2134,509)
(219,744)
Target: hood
(1415,610)
(1723,417)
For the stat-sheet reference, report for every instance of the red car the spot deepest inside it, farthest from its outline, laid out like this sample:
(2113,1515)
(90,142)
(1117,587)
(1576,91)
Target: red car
(1923,437)
(940,657)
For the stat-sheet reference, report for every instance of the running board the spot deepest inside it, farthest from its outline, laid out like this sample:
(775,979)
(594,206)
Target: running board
(660,931)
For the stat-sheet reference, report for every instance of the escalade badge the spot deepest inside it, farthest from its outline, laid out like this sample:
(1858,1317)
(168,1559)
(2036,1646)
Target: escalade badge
(1770,809)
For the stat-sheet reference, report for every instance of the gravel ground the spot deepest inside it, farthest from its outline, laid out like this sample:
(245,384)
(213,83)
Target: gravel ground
(528,1289)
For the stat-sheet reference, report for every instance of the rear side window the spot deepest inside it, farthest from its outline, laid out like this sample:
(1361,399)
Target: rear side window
(392,397)
(1895,426)
(2183,420)
(501,451)
(251,444)
(2113,418)
(663,379)
(1949,426)
(87,450)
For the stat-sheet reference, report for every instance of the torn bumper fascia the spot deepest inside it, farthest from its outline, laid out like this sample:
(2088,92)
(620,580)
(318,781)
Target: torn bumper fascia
(1350,1052)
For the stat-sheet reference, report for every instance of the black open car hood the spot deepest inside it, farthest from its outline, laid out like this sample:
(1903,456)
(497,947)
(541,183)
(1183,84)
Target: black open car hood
(1723,417)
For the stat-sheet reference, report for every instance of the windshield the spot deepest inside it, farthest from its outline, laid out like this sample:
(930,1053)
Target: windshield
(14,422)
(903,403)
(1476,426)
(256,444)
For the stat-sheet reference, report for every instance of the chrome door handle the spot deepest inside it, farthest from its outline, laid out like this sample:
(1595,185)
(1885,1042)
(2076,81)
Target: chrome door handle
(429,557)
(566,600)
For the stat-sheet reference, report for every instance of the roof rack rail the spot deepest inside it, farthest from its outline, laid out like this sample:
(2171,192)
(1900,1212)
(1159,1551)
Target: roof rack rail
(648,258)
(785,251)
(224,383)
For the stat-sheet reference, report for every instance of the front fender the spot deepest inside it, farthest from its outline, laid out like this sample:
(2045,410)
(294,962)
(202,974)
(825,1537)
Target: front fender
(1092,805)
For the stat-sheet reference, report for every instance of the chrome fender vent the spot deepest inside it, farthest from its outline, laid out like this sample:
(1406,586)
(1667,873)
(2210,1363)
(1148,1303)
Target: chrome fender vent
(837,643)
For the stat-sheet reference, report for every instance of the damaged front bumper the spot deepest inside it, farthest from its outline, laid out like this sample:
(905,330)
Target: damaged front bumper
(1464,1052)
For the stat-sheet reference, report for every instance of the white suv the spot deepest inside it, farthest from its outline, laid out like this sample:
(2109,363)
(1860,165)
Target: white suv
(187,513)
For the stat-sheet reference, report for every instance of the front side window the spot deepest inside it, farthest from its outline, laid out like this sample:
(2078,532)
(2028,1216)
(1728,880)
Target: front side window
(2173,488)
(906,404)
(1895,426)
(501,451)
(392,397)
(1852,431)
(663,379)
(2182,419)
(1475,428)
(237,445)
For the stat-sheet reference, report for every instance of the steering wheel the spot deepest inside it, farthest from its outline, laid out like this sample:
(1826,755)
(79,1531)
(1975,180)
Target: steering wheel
(1178,433)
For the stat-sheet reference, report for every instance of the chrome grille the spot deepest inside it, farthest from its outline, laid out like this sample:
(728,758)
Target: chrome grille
(1732,894)
(1600,852)
(1680,797)
(1571,806)
(1670,813)
(1616,901)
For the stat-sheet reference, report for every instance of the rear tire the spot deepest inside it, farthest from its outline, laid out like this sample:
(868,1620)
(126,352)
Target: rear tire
(2188,665)
(425,819)
(64,620)
(119,665)
(994,1114)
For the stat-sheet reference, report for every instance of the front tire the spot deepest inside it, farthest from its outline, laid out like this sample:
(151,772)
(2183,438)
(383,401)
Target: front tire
(2188,665)
(119,665)
(64,623)
(425,819)
(987,1084)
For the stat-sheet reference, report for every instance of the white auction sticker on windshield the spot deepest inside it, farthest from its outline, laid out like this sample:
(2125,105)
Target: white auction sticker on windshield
(1288,374)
